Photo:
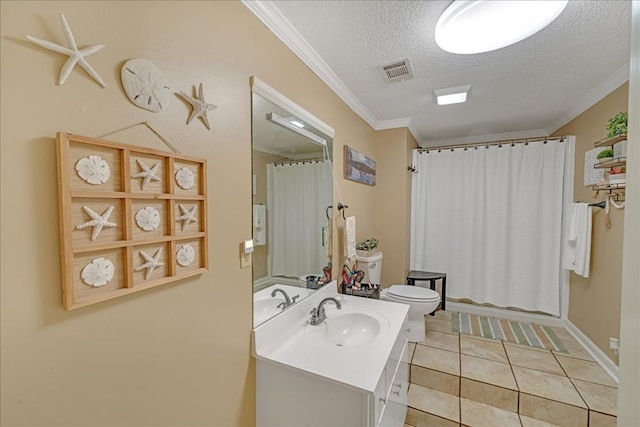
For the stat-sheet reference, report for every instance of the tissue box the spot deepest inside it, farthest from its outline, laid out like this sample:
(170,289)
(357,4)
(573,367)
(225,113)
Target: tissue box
(620,149)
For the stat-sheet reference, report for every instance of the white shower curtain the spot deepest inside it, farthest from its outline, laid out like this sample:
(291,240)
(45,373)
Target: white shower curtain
(491,219)
(297,198)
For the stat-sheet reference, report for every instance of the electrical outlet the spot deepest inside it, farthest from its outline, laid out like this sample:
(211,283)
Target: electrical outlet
(245,260)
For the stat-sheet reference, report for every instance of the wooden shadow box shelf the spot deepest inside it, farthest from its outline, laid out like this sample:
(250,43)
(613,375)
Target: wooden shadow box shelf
(131,218)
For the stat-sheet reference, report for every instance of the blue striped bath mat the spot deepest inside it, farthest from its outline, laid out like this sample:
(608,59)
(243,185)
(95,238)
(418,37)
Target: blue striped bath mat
(530,334)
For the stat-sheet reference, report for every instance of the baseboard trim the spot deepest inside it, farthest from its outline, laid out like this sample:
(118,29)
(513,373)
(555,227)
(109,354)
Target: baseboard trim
(594,351)
(504,313)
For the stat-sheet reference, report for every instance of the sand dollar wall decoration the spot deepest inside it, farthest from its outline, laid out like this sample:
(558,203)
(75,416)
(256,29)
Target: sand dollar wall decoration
(132,228)
(93,169)
(145,85)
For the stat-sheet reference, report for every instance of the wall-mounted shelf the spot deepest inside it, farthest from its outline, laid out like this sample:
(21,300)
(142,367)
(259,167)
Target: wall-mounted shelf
(608,187)
(617,190)
(131,218)
(618,161)
(610,141)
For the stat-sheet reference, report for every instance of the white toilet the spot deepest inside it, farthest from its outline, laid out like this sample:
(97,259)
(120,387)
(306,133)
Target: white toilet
(421,301)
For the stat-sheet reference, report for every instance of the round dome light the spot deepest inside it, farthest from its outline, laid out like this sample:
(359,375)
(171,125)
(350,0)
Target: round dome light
(481,26)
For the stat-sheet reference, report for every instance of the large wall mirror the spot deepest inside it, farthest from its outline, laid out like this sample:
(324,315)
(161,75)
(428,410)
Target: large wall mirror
(292,202)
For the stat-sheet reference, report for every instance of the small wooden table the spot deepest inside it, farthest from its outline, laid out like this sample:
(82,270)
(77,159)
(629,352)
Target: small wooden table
(431,277)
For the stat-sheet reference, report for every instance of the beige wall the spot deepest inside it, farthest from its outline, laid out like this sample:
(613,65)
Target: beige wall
(393,202)
(594,303)
(174,355)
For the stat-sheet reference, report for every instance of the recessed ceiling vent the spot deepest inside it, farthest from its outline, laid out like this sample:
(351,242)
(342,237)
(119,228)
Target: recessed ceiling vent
(397,71)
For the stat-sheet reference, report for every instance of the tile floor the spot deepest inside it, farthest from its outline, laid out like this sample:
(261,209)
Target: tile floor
(460,380)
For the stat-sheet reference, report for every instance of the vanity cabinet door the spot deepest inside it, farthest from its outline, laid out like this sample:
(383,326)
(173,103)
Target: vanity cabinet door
(380,398)
(398,395)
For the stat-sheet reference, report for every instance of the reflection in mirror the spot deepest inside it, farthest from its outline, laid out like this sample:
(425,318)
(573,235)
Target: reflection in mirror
(292,198)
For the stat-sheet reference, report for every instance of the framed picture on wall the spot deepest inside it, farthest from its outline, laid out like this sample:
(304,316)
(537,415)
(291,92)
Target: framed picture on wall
(592,176)
(358,167)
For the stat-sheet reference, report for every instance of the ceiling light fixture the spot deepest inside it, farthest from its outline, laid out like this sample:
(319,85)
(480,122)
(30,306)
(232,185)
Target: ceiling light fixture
(468,27)
(273,117)
(452,95)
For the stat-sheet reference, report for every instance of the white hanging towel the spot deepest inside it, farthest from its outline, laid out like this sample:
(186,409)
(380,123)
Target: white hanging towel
(350,237)
(576,244)
(259,225)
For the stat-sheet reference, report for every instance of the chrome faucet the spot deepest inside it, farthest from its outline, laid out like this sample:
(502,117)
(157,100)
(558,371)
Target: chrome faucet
(318,314)
(287,300)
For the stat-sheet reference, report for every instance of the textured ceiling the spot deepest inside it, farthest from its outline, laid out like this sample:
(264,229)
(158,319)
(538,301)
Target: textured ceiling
(524,90)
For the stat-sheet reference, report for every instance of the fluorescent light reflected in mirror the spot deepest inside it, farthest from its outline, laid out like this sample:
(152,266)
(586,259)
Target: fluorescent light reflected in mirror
(273,117)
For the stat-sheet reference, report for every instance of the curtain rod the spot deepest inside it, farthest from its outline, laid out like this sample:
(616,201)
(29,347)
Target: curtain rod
(296,162)
(487,144)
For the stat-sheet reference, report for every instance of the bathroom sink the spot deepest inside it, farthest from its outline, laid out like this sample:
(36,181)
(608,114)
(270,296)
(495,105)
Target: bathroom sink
(266,308)
(351,329)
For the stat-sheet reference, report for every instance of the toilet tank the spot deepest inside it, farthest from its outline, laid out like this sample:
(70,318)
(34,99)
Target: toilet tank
(372,267)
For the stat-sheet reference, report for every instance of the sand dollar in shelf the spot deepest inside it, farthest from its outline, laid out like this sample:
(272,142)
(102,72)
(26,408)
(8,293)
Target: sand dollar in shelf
(185,178)
(148,218)
(93,170)
(98,272)
(185,256)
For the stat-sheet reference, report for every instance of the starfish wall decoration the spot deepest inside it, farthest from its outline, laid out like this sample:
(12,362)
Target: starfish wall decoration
(151,263)
(76,56)
(97,221)
(188,215)
(199,105)
(148,174)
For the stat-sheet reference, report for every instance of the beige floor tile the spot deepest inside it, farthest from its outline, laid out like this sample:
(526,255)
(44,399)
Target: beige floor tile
(531,422)
(418,418)
(602,420)
(480,415)
(442,340)
(600,398)
(437,359)
(434,402)
(435,380)
(441,325)
(499,397)
(411,350)
(528,347)
(575,350)
(444,315)
(550,386)
(552,412)
(562,333)
(485,348)
(585,370)
(487,371)
(541,360)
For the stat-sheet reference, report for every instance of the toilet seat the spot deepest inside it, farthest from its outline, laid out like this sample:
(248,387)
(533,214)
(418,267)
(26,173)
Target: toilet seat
(412,294)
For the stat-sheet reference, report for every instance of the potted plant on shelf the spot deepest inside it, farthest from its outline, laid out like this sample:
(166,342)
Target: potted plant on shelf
(617,176)
(617,125)
(605,155)
(367,247)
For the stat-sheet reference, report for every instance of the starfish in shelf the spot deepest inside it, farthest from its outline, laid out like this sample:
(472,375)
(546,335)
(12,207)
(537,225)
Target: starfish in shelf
(76,56)
(97,221)
(188,215)
(200,107)
(151,263)
(148,174)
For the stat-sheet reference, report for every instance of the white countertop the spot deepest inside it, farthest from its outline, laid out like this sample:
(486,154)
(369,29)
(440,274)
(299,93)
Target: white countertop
(283,340)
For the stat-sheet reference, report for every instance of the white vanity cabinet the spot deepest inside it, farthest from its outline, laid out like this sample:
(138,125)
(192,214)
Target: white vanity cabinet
(344,391)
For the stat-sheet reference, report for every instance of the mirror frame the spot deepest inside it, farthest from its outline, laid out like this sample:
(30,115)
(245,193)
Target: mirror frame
(270,94)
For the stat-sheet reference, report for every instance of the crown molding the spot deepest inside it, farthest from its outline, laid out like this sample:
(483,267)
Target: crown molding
(282,28)
(533,133)
(613,82)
